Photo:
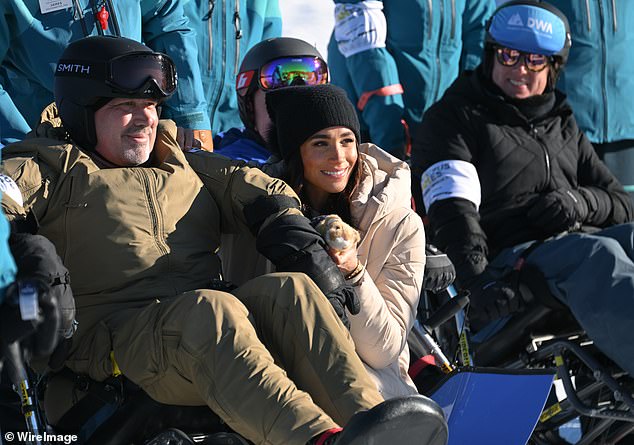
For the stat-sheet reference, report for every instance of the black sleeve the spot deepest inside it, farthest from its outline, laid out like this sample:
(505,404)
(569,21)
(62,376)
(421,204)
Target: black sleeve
(37,259)
(448,132)
(608,202)
(455,225)
(291,243)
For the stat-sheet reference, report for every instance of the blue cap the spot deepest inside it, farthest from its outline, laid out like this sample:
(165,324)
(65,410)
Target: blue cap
(529,28)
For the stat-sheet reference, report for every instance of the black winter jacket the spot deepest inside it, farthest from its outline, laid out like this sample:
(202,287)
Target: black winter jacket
(516,160)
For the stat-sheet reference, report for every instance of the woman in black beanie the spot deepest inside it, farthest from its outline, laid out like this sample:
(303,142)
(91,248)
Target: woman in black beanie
(316,131)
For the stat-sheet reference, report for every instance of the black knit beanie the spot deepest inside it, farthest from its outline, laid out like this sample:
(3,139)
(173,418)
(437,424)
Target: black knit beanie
(298,112)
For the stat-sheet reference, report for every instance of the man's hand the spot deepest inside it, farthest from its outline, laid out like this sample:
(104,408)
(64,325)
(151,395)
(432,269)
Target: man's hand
(491,299)
(188,139)
(439,270)
(558,211)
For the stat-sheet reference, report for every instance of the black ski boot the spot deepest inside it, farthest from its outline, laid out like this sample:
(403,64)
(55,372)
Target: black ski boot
(406,420)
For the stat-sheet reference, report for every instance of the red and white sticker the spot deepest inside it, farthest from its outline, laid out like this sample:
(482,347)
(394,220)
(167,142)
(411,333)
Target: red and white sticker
(244,79)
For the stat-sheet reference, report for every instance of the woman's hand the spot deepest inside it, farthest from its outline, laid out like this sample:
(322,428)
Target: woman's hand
(346,260)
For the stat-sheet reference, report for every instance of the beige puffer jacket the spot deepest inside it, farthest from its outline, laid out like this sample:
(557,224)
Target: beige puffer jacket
(392,248)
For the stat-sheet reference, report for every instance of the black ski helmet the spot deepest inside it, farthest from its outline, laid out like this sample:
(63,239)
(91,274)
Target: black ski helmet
(93,70)
(259,55)
(531,26)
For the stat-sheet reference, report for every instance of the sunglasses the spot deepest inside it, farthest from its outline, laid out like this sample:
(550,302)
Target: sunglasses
(286,71)
(533,62)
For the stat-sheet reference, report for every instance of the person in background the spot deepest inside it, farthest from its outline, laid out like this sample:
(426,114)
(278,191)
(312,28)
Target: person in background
(225,31)
(370,190)
(7,264)
(511,182)
(296,62)
(36,304)
(144,268)
(602,38)
(269,65)
(34,33)
(396,58)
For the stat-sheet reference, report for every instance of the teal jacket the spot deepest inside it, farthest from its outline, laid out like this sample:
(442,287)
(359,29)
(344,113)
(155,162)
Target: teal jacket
(7,265)
(31,43)
(225,31)
(599,75)
(427,43)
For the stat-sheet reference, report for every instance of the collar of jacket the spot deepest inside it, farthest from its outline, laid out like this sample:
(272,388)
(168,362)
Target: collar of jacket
(516,112)
(385,185)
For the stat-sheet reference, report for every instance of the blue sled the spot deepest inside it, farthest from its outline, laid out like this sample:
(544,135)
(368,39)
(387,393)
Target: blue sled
(492,406)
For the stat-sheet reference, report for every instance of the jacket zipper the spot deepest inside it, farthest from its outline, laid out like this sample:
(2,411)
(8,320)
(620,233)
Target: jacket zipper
(602,15)
(79,14)
(95,24)
(224,59)
(535,134)
(588,15)
(614,15)
(113,18)
(68,233)
(431,18)
(157,226)
(209,18)
(453,19)
(238,28)
(441,12)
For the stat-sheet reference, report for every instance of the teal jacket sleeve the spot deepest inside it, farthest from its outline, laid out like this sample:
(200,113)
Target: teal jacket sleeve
(7,265)
(475,15)
(167,29)
(13,126)
(369,76)
(272,20)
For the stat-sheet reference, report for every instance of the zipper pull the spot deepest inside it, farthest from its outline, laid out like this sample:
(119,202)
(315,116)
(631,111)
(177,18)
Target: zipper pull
(207,16)
(102,16)
(236,24)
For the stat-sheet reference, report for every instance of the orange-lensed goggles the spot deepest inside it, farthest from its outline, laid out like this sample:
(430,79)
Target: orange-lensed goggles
(286,71)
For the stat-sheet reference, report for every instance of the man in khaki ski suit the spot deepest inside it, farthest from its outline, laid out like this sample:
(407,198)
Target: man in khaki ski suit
(137,222)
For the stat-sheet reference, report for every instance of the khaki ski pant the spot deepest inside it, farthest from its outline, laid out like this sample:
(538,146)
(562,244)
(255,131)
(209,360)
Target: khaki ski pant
(273,361)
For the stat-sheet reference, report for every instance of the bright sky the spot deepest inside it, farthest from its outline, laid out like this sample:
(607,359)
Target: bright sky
(309,20)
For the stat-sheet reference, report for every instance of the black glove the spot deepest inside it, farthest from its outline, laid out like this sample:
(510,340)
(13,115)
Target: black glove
(439,270)
(39,335)
(491,299)
(559,210)
(292,244)
(37,260)
(344,297)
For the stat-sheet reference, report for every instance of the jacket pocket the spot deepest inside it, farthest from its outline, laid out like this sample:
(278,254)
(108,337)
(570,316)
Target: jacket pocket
(137,346)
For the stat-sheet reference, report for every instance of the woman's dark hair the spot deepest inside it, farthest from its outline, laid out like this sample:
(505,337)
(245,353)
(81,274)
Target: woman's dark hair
(338,203)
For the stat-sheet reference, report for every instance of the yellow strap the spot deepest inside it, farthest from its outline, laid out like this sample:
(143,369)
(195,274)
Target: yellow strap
(116,372)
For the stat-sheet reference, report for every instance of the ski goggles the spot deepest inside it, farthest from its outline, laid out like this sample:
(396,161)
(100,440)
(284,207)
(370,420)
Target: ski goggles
(286,71)
(140,74)
(510,57)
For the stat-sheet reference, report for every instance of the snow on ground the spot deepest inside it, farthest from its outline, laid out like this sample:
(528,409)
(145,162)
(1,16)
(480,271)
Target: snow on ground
(309,20)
